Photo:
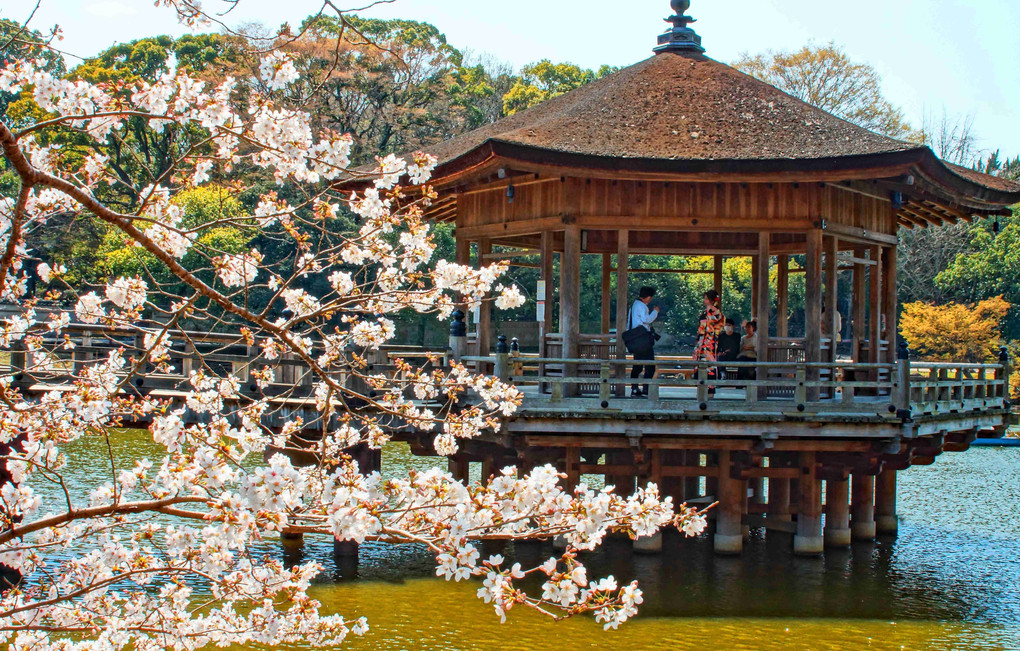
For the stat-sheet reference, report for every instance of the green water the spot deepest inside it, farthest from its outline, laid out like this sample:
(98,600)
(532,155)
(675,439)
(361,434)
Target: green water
(950,581)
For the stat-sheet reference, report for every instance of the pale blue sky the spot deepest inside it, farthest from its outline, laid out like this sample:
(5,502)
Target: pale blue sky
(957,54)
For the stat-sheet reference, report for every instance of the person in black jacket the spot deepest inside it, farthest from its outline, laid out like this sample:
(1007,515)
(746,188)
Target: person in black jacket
(729,344)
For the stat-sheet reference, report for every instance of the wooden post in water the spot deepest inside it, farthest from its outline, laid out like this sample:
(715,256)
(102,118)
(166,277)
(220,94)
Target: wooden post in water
(779,499)
(862,507)
(808,540)
(886,521)
(837,513)
(732,497)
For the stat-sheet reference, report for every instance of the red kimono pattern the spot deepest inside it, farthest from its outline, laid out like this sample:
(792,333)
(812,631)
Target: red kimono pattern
(711,325)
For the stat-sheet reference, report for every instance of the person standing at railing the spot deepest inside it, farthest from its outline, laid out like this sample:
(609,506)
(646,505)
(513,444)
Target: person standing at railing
(711,325)
(640,338)
(748,350)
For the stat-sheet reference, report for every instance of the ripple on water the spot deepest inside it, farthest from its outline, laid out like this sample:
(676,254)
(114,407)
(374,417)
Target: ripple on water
(950,581)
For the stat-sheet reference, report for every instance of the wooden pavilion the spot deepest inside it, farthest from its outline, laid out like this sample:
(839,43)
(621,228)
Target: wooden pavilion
(683,155)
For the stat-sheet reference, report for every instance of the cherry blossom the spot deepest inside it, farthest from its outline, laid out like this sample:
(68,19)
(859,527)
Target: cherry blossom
(158,552)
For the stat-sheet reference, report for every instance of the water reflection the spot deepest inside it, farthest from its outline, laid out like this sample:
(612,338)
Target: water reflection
(948,582)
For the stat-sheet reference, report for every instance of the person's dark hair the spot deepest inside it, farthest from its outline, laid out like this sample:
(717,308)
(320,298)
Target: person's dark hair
(647,292)
(753,324)
(712,295)
(731,322)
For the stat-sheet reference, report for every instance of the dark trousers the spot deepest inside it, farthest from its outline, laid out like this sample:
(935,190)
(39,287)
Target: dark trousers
(746,373)
(645,355)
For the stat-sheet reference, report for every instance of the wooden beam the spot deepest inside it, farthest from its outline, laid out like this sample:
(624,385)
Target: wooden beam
(853,233)
(509,255)
(622,300)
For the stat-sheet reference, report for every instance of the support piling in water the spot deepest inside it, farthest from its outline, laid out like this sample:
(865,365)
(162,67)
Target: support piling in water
(886,520)
(837,513)
(862,508)
(732,496)
(808,540)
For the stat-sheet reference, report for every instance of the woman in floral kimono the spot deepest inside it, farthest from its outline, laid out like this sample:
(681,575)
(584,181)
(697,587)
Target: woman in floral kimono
(712,323)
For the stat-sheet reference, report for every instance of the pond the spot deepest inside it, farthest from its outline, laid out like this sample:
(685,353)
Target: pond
(950,581)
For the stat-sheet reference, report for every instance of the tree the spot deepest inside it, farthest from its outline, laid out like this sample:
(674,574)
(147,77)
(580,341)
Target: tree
(952,138)
(825,76)
(989,267)
(954,332)
(19,43)
(544,80)
(129,581)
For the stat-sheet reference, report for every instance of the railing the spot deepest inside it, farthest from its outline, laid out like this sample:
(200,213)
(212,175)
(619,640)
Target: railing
(896,391)
(220,354)
(902,390)
(947,388)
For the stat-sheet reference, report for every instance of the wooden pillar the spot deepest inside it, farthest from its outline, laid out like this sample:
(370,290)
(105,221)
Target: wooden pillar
(812,305)
(732,497)
(570,301)
(860,321)
(831,294)
(886,521)
(622,302)
(837,513)
(763,299)
(625,483)
(546,275)
(717,274)
(808,539)
(875,307)
(484,328)
(783,297)
(692,485)
(572,456)
(862,507)
(890,302)
(463,258)
(460,468)
(779,499)
(607,284)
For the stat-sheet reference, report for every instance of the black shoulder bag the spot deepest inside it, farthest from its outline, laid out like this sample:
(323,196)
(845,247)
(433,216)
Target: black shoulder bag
(639,339)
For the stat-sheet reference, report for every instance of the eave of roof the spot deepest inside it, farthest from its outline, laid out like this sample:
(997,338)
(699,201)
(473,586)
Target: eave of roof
(684,116)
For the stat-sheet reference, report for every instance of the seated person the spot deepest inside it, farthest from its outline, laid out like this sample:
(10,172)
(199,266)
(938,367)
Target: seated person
(748,350)
(729,343)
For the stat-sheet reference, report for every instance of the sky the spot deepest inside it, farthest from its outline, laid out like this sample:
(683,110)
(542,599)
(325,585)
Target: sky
(957,56)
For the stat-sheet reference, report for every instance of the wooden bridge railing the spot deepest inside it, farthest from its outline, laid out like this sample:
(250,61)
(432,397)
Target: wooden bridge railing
(219,354)
(902,390)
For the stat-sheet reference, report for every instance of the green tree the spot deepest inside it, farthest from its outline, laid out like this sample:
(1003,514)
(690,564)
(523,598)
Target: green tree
(544,80)
(19,43)
(989,268)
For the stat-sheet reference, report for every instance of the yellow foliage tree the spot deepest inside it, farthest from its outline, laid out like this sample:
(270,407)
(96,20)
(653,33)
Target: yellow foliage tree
(954,332)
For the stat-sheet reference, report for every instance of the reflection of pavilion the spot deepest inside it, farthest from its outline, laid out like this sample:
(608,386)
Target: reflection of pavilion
(682,155)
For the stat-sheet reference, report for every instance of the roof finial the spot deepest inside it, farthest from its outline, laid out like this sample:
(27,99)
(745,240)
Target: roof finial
(680,38)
